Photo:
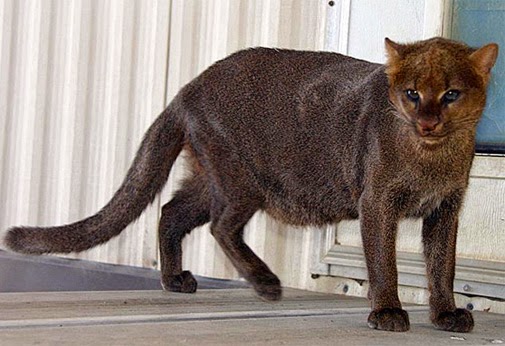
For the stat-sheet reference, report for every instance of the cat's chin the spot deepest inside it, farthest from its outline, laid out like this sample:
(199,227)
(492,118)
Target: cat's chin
(428,141)
(431,142)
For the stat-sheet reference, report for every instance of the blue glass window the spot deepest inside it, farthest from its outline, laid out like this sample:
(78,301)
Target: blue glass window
(478,22)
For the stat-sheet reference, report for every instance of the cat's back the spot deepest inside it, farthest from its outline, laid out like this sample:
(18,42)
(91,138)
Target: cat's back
(273,100)
(285,69)
(267,82)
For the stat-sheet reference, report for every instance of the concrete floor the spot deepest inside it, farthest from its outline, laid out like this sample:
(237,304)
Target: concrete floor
(215,317)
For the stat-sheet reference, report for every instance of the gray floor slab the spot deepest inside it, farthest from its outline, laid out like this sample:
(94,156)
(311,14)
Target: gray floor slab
(215,317)
(23,273)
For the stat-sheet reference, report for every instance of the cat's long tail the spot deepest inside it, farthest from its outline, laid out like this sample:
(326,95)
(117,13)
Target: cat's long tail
(160,147)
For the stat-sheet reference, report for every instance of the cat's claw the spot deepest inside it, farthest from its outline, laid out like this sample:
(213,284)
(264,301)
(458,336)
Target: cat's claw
(390,319)
(459,320)
(184,282)
(270,293)
(269,289)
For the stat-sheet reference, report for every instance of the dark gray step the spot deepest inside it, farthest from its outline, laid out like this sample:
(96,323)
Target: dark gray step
(21,273)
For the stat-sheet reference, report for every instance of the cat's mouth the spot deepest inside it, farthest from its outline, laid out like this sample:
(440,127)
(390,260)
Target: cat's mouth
(430,137)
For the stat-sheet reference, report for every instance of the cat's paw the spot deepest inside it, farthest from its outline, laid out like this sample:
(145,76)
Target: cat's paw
(268,288)
(185,282)
(391,319)
(459,320)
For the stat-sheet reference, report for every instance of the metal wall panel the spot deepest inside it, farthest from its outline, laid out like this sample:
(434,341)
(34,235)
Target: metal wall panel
(80,82)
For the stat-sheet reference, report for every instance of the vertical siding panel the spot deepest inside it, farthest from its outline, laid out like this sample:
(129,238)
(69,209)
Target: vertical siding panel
(79,163)
(5,26)
(128,114)
(270,26)
(37,206)
(6,92)
(20,148)
(59,111)
(103,116)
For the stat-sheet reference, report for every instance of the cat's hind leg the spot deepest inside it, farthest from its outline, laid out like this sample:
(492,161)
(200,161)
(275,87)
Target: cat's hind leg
(227,228)
(188,209)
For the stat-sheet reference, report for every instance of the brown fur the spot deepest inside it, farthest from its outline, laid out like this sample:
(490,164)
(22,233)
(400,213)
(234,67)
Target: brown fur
(311,138)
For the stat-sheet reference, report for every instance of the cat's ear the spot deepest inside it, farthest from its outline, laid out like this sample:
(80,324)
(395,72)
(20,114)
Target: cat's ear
(484,58)
(394,50)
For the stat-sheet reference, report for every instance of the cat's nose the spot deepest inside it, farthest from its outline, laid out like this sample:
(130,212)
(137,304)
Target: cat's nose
(427,125)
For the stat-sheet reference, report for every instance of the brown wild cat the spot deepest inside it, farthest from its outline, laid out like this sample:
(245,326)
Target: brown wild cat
(311,138)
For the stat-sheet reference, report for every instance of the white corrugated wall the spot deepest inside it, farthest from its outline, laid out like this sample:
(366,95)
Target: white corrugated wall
(80,82)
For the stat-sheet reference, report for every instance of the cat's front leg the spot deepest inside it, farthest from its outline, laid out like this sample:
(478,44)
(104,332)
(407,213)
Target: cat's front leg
(439,240)
(379,223)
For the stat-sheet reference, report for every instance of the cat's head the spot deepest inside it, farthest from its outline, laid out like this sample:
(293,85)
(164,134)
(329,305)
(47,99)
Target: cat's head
(438,86)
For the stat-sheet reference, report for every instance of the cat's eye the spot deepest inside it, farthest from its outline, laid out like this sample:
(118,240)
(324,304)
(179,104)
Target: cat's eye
(412,95)
(450,96)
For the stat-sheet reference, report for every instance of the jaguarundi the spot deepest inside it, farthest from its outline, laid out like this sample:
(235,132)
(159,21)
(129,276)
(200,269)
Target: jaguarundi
(311,138)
